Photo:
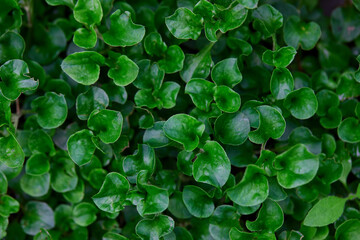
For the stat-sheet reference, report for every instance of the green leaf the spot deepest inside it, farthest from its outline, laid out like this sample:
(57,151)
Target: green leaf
(184,24)
(51,110)
(88,12)
(232,17)
(3,183)
(69,3)
(250,4)
(201,92)
(168,94)
(280,58)
(123,32)
(197,65)
(227,99)
(154,228)
(155,136)
(252,190)
(271,125)
(300,33)
(192,196)
(142,159)
(269,219)
(81,147)
(37,164)
(63,175)
(83,67)
(155,201)
(348,230)
(226,72)
(267,20)
(236,234)
(93,99)
(113,236)
(281,83)
(212,166)
(15,79)
(325,212)
(35,186)
(112,193)
(150,75)
(124,72)
(173,60)
(297,166)
(345,23)
(8,206)
(106,124)
(42,235)
(184,129)
(232,128)
(40,141)
(11,152)
(302,103)
(12,46)
(154,45)
(223,219)
(85,38)
(349,130)
(10,16)
(84,214)
(37,215)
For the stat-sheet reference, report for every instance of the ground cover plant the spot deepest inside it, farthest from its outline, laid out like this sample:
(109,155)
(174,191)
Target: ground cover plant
(179,119)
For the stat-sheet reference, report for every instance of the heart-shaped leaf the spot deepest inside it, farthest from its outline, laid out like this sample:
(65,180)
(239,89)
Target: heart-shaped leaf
(84,214)
(11,152)
(15,79)
(93,99)
(123,32)
(232,128)
(154,228)
(192,196)
(8,206)
(226,72)
(173,60)
(252,190)
(271,125)
(232,17)
(301,103)
(267,20)
(12,46)
(201,92)
(184,24)
(297,32)
(106,124)
(223,219)
(37,215)
(81,147)
(85,38)
(155,201)
(124,72)
(112,193)
(297,166)
(281,83)
(155,136)
(88,12)
(184,129)
(150,75)
(227,99)
(279,58)
(154,45)
(349,130)
(51,110)
(37,164)
(212,166)
(83,67)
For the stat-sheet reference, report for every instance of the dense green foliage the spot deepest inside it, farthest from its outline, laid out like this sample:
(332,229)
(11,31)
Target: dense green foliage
(179,119)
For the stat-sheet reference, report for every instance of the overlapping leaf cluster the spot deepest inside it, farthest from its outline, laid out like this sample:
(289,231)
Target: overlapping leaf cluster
(179,119)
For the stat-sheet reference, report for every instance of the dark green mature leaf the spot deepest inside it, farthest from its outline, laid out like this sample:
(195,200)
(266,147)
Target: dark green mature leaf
(232,17)
(223,219)
(271,125)
(81,147)
(227,99)
(345,23)
(12,46)
(279,58)
(232,128)
(10,16)
(348,230)
(35,186)
(212,166)
(201,92)
(226,72)
(37,215)
(298,33)
(154,228)
(270,218)
(252,190)
(142,159)
(8,206)
(324,212)
(15,79)
(93,99)
(88,12)
(83,67)
(296,167)
(236,234)
(155,136)
(349,130)
(150,75)
(63,175)
(267,20)
(192,196)
(106,124)
(124,72)
(11,153)
(155,202)
(123,32)
(84,214)
(281,83)
(37,164)
(69,3)
(173,60)
(85,38)
(184,24)
(184,129)
(51,110)
(301,103)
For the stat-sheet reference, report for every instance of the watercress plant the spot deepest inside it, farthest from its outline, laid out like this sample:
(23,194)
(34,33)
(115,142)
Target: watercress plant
(179,119)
